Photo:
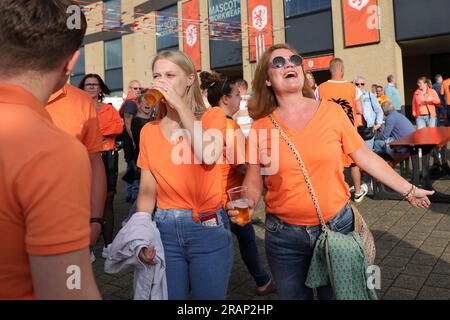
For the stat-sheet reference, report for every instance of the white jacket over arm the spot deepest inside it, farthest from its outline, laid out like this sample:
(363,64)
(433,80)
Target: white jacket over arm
(149,280)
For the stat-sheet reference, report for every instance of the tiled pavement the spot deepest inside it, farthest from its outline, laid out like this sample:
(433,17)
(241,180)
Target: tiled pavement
(413,252)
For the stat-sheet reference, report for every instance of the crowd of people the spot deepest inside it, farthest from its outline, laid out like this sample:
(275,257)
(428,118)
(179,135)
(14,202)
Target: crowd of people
(59,167)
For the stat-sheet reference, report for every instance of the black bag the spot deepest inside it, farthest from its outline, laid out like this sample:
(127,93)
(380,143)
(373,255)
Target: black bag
(366,133)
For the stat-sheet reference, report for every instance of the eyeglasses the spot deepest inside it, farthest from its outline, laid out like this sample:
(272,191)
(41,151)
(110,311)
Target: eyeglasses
(95,85)
(279,62)
(360,84)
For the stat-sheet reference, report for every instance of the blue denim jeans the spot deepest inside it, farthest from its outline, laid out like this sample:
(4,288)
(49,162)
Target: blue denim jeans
(132,189)
(249,252)
(369,143)
(198,257)
(425,121)
(289,251)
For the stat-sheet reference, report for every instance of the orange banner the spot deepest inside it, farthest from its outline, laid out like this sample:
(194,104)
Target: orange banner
(361,22)
(259,27)
(317,63)
(191,32)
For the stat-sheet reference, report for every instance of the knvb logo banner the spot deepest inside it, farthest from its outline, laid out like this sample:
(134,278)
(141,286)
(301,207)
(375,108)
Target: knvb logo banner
(361,22)
(191,30)
(260,27)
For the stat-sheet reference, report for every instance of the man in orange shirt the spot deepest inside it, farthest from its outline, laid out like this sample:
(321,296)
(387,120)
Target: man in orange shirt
(44,172)
(445,90)
(73,111)
(348,96)
(380,95)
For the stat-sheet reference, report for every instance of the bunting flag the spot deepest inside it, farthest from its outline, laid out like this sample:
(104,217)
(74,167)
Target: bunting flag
(191,32)
(260,27)
(112,20)
(361,22)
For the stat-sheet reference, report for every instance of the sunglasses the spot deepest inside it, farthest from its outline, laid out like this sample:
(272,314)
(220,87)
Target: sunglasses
(280,62)
(360,84)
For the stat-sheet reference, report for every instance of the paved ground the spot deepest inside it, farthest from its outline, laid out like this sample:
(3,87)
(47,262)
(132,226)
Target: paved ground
(413,252)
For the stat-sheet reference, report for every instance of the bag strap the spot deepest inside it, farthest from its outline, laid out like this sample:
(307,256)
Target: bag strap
(304,171)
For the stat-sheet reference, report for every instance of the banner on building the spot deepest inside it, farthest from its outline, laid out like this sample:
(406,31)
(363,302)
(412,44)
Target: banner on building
(361,22)
(191,32)
(317,63)
(259,27)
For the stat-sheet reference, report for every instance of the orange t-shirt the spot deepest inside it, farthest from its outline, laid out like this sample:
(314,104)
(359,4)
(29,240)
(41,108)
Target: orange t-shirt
(445,90)
(322,143)
(182,185)
(233,156)
(111,125)
(345,94)
(419,109)
(73,110)
(382,99)
(45,187)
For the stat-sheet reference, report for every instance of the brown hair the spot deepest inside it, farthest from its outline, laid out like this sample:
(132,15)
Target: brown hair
(194,96)
(336,64)
(36,36)
(387,107)
(104,90)
(264,100)
(216,85)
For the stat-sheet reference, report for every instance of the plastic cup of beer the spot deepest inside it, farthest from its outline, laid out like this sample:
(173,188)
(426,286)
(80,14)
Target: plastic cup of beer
(152,97)
(239,201)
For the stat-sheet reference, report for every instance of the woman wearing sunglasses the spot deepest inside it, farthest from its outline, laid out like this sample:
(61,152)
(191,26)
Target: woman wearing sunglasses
(322,134)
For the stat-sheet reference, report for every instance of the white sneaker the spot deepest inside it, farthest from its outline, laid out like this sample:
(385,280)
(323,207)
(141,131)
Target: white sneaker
(351,189)
(105,251)
(92,257)
(364,190)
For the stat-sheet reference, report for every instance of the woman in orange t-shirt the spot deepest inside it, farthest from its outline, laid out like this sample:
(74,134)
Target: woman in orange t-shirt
(322,134)
(111,125)
(424,103)
(224,93)
(182,176)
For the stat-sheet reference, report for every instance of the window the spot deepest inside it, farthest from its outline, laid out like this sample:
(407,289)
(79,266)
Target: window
(113,54)
(112,14)
(298,7)
(80,66)
(167,28)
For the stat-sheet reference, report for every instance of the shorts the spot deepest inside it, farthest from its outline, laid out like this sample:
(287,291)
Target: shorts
(111,162)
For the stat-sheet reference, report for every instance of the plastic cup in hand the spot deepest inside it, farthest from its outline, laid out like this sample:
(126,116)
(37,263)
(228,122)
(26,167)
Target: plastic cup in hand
(152,97)
(239,201)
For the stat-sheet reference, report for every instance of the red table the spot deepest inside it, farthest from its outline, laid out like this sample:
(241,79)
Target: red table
(425,139)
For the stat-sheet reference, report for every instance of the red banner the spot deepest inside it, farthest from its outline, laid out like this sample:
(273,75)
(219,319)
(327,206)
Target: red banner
(191,32)
(317,63)
(361,22)
(259,27)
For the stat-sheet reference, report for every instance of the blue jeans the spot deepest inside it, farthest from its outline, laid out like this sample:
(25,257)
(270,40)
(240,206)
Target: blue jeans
(249,252)
(425,121)
(289,251)
(369,143)
(198,257)
(132,189)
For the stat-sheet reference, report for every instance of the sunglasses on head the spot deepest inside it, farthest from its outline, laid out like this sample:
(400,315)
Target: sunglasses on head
(279,62)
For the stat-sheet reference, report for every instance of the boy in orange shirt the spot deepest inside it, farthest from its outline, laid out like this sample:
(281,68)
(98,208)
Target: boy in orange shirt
(44,172)
(348,96)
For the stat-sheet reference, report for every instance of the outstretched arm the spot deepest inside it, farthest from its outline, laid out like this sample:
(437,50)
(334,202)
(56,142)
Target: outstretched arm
(380,170)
